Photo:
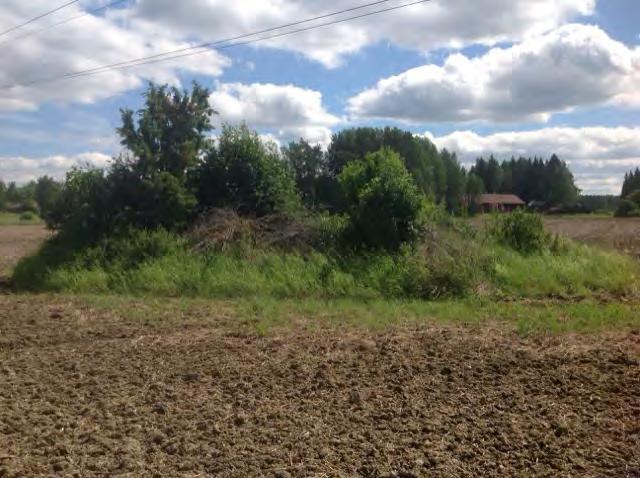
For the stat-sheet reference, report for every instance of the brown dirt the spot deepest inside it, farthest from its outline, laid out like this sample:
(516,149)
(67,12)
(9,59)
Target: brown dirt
(86,392)
(18,241)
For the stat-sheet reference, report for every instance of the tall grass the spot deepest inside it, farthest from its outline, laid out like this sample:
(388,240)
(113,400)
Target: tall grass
(454,265)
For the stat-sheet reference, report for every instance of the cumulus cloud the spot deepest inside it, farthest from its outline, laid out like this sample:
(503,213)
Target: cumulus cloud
(148,27)
(598,156)
(573,66)
(85,43)
(435,24)
(23,169)
(285,111)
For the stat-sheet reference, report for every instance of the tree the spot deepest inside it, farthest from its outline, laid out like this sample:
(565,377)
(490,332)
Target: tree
(455,182)
(3,196)
(47,191)
(560,187)
(245,173)
(146,187)
(419,154)
(474,187)
(13,193)
(171,132)
(549,181)
(631,183)
(383,202)
(307,164)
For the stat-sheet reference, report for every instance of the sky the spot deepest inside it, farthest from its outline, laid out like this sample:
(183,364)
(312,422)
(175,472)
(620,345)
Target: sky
(532,77)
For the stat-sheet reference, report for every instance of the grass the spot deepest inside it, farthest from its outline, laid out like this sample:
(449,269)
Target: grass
(14,219)
(269,315)
(160,264)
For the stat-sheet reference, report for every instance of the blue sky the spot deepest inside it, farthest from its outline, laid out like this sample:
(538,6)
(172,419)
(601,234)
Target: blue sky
(532,77)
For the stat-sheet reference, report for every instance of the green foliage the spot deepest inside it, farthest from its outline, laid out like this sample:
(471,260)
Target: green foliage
(3,196)
(162,264)
(631,183)
(437,175)
(549,182)
(171,132)
(46,193)
(307,164)
(28,216)
(383,203)
(577,271)
(83,209)
(245,173)
(522,231)
(634,197)
(627,208)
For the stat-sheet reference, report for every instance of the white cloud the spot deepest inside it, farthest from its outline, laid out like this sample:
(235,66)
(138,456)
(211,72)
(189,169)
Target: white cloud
(435,24)
(85,43)
(598,156)
(285,111)
(148,27)
(22,169)
(573,66)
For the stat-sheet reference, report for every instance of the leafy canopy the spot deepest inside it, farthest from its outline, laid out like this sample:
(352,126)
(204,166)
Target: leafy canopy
(384,204)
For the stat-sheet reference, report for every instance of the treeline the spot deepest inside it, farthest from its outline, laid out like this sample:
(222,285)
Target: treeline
(630,196)
(438,174)
(34,196)
(631,183)
(173,169)
(547,182)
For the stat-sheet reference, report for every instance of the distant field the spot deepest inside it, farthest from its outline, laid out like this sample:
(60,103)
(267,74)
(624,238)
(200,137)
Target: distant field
(622,234)
(10,219)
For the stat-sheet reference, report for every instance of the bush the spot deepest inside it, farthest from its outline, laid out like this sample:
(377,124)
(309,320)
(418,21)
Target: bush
(627,208)
(522,231)
(246,174)
(383,203)
(28,216)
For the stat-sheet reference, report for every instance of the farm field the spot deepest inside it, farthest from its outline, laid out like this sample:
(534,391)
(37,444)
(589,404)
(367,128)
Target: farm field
(117,386)
(621,234)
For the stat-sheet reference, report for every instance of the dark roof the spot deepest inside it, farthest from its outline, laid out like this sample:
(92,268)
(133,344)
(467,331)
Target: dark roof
(510,199)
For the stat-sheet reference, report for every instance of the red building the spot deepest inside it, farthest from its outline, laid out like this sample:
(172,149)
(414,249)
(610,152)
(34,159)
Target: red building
(499,202)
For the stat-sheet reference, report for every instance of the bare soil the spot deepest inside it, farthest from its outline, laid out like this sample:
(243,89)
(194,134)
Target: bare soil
(18,241)
(108,391)
(86,392)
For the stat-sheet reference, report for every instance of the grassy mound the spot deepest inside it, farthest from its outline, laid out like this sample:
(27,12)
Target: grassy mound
(451,262)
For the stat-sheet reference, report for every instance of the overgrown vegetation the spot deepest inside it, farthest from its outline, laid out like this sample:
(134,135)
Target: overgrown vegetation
(179,214)
(629,205)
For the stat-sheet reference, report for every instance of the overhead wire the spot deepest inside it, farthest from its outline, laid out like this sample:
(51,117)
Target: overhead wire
(45,14)
(64,22)
(223,44)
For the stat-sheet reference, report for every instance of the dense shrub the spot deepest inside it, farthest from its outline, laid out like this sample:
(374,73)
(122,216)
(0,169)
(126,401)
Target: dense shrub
(28,216)
(627,208)
(522,231)
(384,205)
(245,173)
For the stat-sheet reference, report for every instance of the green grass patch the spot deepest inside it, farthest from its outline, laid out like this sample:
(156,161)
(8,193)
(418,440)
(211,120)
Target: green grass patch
(267,315)
(15,219)
(160,264)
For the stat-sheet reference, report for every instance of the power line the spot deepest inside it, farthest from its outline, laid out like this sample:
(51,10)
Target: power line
(64,22)
(222,44)
(39,17)
(214,44)
(206,49)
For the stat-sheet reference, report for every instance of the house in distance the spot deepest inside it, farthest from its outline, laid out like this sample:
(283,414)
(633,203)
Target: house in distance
(499,202)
